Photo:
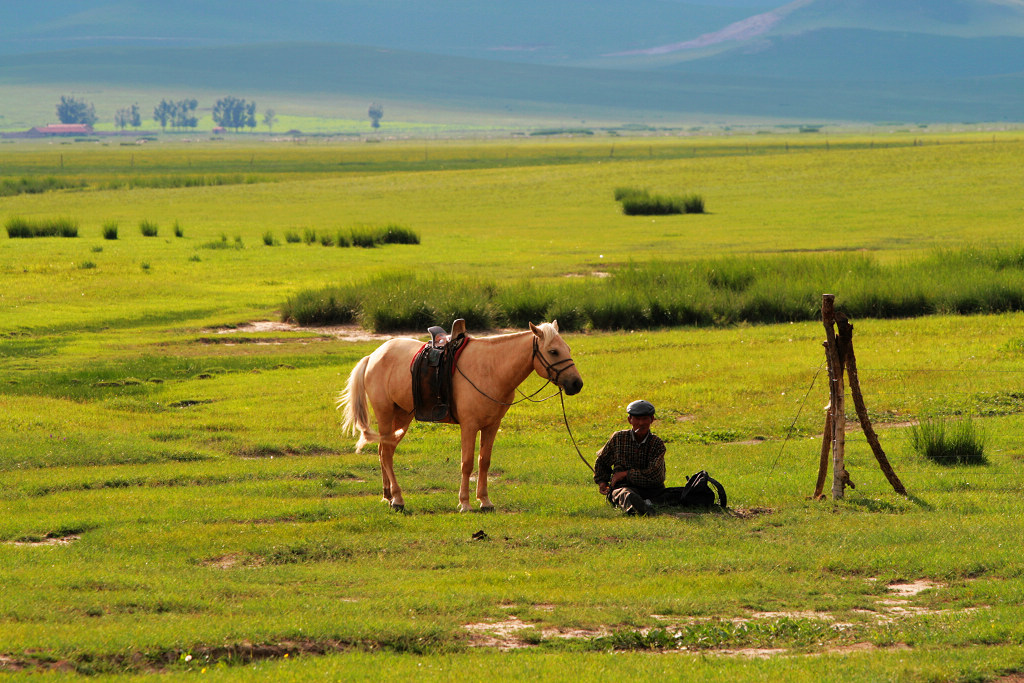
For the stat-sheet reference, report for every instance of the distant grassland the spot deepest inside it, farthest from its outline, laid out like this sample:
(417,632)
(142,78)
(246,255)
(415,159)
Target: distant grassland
(502,211)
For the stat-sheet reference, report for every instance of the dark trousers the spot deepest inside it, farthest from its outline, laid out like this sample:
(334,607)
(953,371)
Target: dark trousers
(633,499)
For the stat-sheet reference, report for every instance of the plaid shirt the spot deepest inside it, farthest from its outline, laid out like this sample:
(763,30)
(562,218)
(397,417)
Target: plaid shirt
(645,460)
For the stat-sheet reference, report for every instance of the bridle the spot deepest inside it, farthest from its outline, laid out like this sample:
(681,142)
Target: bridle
(549,367)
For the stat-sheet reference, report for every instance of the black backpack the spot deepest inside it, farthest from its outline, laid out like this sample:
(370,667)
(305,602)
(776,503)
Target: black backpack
(698,492)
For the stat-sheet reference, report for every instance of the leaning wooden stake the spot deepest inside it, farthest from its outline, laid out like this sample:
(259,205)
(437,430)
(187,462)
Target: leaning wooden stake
(846,331)
(840,359)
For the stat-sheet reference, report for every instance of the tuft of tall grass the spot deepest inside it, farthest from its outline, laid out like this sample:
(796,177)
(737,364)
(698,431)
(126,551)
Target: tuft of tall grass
(327,306)
(269,240)
(110,230)
(178,230)
(641,202)
(368,236)
(292,237)
(957,442)
(17,226)
(398,234)
(693,203)
(223,243)
(754,289)
(148,228)
(364,236)
(622,193)
(180,181)
(652,205)
(10,187)
(395,301)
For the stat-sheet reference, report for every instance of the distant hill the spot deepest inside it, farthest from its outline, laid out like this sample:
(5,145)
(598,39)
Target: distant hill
(860,39)
(644,61)
(556,31)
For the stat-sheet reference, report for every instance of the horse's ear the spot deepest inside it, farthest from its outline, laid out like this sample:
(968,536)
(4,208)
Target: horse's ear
(554,324)
(536,330)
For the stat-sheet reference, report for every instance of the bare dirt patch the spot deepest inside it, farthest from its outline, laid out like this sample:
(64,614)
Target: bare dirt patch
(913,588)
(346,332)
(224,561)
(749,513)
(749,652)
(49,541)
(513,633)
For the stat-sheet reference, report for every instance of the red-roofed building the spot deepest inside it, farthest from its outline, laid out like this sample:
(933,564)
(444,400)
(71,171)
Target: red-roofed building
(62,129)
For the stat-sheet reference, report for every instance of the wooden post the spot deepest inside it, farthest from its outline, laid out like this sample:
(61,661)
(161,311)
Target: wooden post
(837,397)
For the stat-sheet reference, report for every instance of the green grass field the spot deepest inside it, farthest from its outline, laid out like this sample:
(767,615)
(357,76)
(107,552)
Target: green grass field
(176,496)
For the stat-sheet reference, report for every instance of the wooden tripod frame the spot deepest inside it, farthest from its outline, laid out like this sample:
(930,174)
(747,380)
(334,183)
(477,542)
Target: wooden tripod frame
(839,357)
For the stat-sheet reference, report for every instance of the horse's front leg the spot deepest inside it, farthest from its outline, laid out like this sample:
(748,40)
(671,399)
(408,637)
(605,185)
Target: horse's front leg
(487,436)
(468,451)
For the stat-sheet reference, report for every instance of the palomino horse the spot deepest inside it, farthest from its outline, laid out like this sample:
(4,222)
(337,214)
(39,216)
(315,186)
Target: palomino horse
(489,370)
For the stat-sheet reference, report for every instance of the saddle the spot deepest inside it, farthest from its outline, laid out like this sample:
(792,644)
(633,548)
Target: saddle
(432,369)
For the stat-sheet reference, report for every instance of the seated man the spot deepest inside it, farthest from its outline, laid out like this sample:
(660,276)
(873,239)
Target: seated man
(630,468)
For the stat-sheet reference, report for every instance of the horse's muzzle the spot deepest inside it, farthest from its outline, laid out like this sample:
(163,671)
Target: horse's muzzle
(573,386)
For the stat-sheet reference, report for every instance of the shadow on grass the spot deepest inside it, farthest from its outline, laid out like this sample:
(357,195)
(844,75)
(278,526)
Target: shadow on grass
(874,505)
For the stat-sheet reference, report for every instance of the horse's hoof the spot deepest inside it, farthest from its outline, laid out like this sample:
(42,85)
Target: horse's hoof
(486,508)
(464,508)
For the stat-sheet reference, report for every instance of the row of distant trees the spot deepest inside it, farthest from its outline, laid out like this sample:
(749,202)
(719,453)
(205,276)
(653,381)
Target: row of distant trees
(229,112)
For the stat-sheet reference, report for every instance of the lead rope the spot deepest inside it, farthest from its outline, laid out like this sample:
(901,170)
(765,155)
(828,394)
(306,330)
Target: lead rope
(565,418)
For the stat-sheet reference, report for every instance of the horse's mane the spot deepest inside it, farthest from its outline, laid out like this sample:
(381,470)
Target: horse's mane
(548,333)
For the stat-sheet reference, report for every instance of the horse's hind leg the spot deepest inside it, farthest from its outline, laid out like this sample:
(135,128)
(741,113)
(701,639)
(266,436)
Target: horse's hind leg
(391,435)
(385,480)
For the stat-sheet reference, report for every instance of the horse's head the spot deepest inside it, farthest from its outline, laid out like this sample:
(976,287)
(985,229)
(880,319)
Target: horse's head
(552,359)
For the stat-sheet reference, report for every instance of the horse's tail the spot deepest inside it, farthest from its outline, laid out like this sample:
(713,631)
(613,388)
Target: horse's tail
(352,400)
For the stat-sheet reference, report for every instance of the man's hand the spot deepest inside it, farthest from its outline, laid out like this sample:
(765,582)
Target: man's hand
(603,488)
(619,476)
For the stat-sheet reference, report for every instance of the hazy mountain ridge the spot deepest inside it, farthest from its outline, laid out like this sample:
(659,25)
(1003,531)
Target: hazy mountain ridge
(560,31)
(515,90)
(912,60)
(950,22)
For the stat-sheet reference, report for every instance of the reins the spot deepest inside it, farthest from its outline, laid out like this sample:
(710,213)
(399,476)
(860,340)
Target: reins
(549,368)
(503,403)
